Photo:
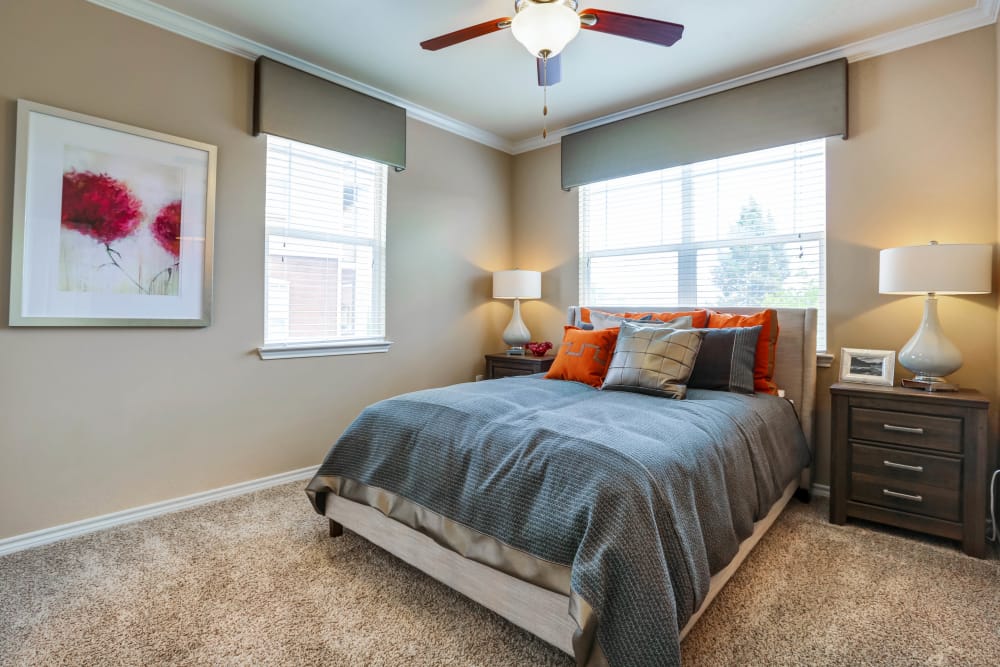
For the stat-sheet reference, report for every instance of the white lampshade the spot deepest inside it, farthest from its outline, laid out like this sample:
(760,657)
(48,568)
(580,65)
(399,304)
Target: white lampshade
(961,268)
(517,284)
(546,26)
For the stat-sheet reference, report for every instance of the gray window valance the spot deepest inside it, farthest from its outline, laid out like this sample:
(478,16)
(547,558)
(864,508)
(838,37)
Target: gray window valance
(807,104)
(296,105)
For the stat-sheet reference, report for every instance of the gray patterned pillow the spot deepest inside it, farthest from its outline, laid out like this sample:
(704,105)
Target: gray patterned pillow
(655,361)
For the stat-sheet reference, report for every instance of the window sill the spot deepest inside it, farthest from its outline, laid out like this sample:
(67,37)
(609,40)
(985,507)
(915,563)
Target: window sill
(824,360)
(297,350)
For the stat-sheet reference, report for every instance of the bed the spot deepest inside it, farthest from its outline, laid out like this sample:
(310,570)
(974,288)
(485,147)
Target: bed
(565,509)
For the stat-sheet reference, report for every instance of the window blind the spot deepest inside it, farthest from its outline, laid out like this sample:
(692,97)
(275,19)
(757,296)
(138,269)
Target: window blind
(325,217)
(745,230)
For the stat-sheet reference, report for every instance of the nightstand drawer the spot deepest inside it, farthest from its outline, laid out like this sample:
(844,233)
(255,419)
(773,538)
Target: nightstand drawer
(907,428)
(912,497)
(509,365)
(894,465)
(500,370)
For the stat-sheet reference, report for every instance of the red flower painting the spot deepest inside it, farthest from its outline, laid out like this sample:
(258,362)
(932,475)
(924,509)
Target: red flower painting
(99,206)
(167,228)
(143,251)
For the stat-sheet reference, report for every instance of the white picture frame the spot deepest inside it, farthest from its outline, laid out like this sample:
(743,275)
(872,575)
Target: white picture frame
(876,367)
(112,224)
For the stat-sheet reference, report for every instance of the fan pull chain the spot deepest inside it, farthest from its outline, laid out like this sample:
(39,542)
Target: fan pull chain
(545,94)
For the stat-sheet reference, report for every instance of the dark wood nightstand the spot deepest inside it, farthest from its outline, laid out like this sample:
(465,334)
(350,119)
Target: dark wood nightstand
(502,365)
(912,459)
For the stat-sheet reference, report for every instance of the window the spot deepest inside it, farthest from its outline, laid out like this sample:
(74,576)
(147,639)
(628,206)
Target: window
(325,265)
(745,230)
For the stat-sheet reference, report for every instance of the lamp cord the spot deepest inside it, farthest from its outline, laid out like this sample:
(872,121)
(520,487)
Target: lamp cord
(993,505)
(545,94)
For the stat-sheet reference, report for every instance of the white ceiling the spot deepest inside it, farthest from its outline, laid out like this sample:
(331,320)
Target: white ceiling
(489,82)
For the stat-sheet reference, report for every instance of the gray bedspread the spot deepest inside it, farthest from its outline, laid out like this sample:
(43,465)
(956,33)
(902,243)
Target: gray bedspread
(644,498)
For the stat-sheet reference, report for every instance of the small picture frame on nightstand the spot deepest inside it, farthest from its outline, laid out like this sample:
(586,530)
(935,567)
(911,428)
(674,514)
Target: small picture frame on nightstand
(867,366)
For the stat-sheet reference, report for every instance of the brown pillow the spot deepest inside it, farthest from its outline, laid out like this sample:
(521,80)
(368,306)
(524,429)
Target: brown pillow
(655,361)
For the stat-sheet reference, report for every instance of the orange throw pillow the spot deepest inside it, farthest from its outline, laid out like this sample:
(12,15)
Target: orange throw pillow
(584,356)
(699,318)
(767,343)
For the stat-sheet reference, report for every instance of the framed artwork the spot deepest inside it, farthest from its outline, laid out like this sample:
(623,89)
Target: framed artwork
(112,224)
(867,366)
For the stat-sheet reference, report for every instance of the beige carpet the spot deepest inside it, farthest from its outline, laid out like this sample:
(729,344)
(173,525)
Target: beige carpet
(255,580)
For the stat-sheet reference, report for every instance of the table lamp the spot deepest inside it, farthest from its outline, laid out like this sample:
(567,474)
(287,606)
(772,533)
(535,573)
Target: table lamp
(934,269)
(517,285)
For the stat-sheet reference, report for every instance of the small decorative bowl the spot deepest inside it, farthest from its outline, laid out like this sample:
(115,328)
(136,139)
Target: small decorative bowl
(539,349)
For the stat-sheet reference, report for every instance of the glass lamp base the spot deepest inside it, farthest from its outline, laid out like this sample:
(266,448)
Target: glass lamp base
(929,355)
(929,383)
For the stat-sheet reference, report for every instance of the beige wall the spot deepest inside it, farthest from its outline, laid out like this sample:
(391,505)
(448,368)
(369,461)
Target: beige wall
(94,421)
(547,239)
(98,420)
(920,165)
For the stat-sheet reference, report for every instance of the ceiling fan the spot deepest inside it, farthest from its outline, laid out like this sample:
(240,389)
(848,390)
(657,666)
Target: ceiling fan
(545,27)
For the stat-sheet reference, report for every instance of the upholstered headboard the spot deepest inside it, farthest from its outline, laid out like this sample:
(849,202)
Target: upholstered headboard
(795,363)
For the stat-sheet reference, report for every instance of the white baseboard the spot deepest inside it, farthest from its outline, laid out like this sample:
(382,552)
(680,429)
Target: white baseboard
(56,533)
(65,531)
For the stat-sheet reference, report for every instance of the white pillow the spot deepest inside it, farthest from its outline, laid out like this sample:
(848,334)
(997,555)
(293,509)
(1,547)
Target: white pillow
(610,320)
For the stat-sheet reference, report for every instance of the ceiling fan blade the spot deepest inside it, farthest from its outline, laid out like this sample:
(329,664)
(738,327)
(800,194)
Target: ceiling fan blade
(466,34)
(663,33)
(550,73)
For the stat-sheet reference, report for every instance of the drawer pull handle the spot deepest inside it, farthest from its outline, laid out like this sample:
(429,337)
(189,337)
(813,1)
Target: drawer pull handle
(902,466)
(902,429)
(903,496)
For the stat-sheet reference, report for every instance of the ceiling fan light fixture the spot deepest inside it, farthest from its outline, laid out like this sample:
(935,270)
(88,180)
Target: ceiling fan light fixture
(545,27)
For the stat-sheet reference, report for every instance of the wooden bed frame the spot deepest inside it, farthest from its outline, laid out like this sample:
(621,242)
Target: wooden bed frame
(545,613)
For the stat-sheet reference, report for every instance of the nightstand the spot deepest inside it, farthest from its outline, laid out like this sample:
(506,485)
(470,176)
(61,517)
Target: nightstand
(502,365)
(911,459)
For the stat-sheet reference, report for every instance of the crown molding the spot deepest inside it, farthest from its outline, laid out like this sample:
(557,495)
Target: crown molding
(983,14)
(192,28)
